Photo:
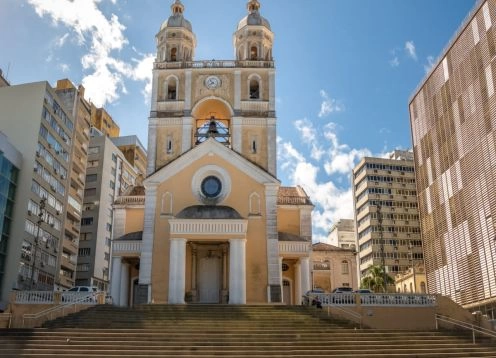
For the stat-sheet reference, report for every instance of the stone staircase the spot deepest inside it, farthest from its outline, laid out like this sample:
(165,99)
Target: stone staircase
(226,331)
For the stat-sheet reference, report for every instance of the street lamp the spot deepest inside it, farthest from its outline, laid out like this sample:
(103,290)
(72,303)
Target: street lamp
(41,214)
(410,249)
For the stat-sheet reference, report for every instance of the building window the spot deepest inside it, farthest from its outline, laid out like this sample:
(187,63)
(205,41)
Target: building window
(253,53)
(91,178)
(83,267)
(109,227)
(254,89)
(90,192)
(173,54)
(112,184)
(93,150)
(84,251)
(114,158)
(87,221)
(345,267)
(171,89)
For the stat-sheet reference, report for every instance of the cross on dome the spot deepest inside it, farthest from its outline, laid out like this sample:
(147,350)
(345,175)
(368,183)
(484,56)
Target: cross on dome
(253,5)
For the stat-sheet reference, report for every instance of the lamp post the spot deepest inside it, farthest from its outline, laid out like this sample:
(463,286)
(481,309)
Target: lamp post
(410,249)
(41,213)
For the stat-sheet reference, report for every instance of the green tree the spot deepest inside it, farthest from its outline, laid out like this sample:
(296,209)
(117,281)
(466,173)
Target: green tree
(374,279)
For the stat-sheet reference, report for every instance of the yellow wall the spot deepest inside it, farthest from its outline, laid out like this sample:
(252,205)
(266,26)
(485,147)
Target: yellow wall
(288,220)
(180,186)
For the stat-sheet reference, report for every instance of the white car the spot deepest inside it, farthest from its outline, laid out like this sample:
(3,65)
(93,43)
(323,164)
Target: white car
(77,292)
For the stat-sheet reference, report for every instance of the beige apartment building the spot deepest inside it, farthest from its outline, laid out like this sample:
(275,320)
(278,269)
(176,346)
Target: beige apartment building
(102,120)
(108,175)
(211,223)
(73,99)
(386,213)
(36,120)
(343,234)
(133,150)
(453,122)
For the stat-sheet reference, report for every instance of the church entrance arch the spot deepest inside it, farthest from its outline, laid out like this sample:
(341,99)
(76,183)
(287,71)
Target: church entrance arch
(209,274)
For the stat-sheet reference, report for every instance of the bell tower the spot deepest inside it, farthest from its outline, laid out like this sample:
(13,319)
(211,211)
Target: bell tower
(230,100)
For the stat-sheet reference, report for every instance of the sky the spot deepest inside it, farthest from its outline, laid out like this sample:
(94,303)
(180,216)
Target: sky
(345,70)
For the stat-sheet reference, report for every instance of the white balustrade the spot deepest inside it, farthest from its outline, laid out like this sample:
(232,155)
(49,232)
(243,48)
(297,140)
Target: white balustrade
(254,106)
(174,106)
(178,226)
(294,247)
(33,297)
(126,246)
(374,299)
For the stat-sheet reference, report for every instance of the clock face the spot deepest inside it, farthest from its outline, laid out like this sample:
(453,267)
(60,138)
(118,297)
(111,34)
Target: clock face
(212,82)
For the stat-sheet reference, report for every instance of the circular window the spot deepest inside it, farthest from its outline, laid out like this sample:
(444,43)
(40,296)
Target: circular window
(211,186)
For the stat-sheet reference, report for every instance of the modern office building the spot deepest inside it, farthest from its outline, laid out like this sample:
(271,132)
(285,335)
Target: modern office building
(343,234)
(453,122)
(108,175)
(35,119)
(133,150)
(386,213)
(10,163)
(212,224)
(73,99)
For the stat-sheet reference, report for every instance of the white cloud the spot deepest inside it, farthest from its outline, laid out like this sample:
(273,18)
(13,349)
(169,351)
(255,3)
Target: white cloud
(61,40)
(65,67)
(329,105)
(410,50)
(331,202)
(105,38)
(394,62)
(429,64)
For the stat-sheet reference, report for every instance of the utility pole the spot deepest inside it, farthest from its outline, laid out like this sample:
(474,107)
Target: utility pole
(41,214)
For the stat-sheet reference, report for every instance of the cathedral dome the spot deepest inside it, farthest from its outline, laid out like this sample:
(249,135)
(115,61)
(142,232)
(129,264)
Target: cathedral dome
(253,18)
(177,18)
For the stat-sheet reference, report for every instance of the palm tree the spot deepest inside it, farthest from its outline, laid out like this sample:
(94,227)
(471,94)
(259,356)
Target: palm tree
(374,280)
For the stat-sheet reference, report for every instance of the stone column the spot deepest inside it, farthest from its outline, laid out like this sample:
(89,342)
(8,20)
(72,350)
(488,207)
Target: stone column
(124,300)
(297,276)
(115,280)
(305,274)
(237,271)
(145,272)
(177,271)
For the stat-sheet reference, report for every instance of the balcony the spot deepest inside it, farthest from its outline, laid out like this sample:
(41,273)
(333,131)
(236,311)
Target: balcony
(170,106)
(294,248)
(213,64)
(126,248)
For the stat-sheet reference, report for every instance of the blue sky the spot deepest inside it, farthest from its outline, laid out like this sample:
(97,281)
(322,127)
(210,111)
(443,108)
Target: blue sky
(345,70)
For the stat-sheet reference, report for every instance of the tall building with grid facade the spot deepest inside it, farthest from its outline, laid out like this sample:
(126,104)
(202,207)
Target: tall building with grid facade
(453,122)
(386,214)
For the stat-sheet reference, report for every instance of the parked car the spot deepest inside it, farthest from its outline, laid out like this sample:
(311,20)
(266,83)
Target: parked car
(363,290)
(310,295)
(347,295)
(77,292)
(342,290)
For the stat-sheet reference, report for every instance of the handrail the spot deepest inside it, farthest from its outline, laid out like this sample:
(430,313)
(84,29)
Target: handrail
(308,300)
(353,314)
(9,316)
(466,325)
(59,307)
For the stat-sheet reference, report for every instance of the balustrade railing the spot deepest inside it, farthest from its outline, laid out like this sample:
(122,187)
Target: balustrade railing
(372,299)
(294,247)
(208,227)
(126,246)
(214,64)
(34,297)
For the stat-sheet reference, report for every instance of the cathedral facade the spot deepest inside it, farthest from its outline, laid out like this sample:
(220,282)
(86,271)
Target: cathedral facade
(211,223)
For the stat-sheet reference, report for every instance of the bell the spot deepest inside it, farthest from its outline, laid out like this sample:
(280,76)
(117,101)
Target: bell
(212,127)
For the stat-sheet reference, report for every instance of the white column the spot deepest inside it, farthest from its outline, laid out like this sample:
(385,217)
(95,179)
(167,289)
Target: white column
(237,90)
(155,85)
(272,90)
(297,276)
(145,273)
(273,269)
(237,271)
(124,292)
(177,271)
(282,290)
(152,144)
(187,90)
(305,274)
(271,146)
(115,280)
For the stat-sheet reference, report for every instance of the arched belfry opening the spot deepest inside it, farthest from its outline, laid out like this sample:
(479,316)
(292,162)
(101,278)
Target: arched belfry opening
(212,120)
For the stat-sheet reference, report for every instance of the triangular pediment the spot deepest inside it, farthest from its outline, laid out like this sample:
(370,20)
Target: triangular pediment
(209,148)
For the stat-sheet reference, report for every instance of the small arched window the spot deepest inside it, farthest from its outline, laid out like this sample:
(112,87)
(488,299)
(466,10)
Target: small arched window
(411,287)
(404,288)
(254,89)
(253,53)
(173,54)
(171,89)
(422,287)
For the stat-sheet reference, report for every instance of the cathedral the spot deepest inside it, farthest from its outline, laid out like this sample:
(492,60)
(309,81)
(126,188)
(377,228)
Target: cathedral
(211,222)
